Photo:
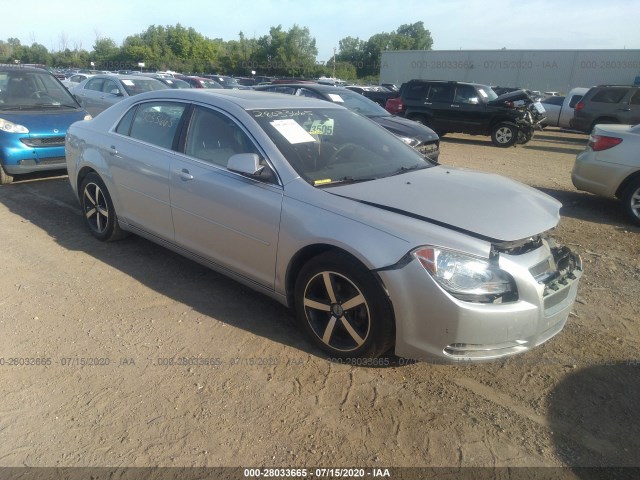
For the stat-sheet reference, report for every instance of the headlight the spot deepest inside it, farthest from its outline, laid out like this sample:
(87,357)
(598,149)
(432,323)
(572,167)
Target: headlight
(412,142)
(11,127)
(466,277)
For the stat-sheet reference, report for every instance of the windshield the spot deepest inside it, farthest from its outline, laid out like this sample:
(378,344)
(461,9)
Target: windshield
(331,146)
(134,86)
(357,102)
(487,93)
(22,89)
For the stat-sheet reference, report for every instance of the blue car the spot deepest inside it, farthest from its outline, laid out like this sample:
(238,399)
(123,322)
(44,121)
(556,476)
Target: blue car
(35,113)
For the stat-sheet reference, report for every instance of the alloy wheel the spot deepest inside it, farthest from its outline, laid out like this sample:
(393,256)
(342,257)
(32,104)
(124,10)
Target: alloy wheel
(96,209)
(337,311)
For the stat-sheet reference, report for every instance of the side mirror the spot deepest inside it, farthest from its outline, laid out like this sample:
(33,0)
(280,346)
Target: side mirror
(249,164)
(116,92)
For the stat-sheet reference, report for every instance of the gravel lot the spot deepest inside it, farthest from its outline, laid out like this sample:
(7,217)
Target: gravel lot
(267,397)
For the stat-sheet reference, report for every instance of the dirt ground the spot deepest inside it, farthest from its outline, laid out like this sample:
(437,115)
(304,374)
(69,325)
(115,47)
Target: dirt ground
(86,331)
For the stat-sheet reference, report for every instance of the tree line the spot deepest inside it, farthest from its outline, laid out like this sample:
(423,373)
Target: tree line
(290,53)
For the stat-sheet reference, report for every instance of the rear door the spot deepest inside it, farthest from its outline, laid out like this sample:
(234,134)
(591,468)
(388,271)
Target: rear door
(629,111)
(140,155)
(89,96)
(439,100)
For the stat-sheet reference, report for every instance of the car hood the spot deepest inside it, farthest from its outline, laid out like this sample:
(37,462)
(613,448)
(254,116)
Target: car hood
(483,205)
(405,127)
(46,122)
(511,97)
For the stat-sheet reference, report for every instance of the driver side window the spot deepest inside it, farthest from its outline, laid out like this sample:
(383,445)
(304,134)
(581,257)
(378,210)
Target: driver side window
(214,138)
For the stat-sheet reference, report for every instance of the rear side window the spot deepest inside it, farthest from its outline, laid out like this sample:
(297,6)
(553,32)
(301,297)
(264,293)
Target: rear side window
(610,95)
(635,100)
(156,123)
(416,90)
(95,84)
(574,100)
(440,93)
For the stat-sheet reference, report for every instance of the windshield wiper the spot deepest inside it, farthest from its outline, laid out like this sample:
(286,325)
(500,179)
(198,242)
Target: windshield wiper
(342,181)
(401,170)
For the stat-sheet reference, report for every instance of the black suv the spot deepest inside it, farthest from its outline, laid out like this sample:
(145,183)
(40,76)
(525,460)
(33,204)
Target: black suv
(449,106)
(607,104)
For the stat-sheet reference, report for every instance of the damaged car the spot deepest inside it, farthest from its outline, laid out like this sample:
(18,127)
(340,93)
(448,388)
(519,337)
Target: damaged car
(375,248)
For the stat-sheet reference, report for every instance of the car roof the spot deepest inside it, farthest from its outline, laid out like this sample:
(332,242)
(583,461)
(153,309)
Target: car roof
(245,99)
(8,67)
(318,87)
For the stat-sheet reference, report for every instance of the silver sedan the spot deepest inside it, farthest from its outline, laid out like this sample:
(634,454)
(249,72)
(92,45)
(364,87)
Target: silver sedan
(99,92)
(373,246)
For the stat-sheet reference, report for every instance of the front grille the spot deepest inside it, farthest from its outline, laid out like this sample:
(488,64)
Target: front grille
(427,148)
(53,161)
(43,141)
(566,265)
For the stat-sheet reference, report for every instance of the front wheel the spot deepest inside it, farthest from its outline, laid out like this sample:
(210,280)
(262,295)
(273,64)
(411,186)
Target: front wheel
(98,211)
(5,178)
(631,199)
(504,135)
(343,308)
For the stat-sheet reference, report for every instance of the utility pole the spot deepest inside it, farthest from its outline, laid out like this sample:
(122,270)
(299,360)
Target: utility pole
(334,62)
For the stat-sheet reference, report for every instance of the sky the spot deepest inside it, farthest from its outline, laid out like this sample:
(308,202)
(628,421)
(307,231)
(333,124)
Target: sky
(454,24)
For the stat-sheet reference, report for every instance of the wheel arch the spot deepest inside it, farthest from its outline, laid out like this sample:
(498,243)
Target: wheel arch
(625,183)
(305,254)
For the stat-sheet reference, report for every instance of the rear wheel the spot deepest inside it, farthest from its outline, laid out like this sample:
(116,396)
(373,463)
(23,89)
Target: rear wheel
(631,199)
(343,308)
(5,178)
(504,135)
(98,211)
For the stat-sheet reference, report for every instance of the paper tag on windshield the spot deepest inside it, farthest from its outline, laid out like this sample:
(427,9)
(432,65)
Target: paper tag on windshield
(322,128)
(292,131)
(336,98)
(128,83)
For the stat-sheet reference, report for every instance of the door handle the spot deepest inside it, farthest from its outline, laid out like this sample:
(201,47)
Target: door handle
(455,106)
(185,175)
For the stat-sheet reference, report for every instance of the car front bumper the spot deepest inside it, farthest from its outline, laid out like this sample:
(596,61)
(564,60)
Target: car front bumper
(433,325)
(18,158)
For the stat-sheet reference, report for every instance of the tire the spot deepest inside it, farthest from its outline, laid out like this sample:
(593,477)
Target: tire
(5,178)
(98,211)
(504,135)
(325,287)
(631,199)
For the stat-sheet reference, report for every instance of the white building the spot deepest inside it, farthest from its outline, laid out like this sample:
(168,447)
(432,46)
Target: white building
(543,70)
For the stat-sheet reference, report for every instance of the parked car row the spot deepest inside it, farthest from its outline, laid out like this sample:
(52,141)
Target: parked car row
(307,200)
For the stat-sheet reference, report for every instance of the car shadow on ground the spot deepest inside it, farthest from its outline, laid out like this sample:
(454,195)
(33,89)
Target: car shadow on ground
(479,141)
(51,206)
(596,407)
(551,149)
(591,208)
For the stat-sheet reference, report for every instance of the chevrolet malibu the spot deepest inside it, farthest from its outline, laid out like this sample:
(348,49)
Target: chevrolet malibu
(373,246)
